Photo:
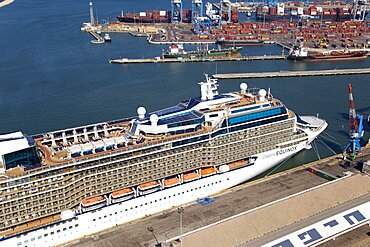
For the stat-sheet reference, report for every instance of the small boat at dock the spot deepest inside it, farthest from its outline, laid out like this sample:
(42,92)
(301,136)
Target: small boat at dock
(107,37)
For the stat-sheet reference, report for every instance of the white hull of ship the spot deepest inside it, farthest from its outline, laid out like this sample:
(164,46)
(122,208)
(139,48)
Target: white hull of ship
(119,213)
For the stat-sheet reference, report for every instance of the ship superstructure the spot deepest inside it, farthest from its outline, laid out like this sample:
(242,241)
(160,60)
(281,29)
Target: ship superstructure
(62,185)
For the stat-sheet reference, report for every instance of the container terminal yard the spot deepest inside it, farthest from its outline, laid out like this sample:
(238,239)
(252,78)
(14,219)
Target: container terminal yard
(320,28)
(338,33)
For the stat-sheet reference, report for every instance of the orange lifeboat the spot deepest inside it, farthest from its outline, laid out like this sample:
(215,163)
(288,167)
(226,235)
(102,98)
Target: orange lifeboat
(171,182)
(208,171)
(148,187)
(92,201)
(123,192)
(187,177)
(122,195)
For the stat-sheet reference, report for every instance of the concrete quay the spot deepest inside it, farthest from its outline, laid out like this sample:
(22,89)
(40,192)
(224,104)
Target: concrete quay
(293,73)
(5,2)
(196,59)
(234,201)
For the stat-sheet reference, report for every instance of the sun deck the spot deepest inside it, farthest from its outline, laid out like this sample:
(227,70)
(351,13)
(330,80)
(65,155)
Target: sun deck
(73,145)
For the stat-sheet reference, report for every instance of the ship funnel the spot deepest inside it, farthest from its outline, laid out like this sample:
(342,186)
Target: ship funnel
(262,95)
(141,112)
(243,87)
(208,89)
(154,119)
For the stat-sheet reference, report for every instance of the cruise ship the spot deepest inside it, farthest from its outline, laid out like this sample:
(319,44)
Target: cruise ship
(62,185)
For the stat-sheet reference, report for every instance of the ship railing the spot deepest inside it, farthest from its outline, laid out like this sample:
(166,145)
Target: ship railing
(97,157)
(254,91)
(122,120)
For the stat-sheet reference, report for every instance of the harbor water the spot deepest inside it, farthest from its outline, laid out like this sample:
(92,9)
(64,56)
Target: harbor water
(52,77)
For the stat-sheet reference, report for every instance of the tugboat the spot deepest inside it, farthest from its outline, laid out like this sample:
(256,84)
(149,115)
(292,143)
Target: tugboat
(107,38)
(177,51)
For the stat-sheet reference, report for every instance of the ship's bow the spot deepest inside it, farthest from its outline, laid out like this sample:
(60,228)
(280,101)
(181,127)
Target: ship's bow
(312,126)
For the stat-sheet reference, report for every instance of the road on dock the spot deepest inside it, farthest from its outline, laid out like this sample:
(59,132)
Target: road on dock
(293,73)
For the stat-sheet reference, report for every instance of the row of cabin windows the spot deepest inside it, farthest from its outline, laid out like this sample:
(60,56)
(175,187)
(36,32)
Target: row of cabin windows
(46,234)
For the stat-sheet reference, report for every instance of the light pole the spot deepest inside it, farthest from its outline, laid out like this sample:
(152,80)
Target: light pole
(180,210)
(150,229)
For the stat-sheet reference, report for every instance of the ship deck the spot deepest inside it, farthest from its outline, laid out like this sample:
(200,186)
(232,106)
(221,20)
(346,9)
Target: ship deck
(56,145)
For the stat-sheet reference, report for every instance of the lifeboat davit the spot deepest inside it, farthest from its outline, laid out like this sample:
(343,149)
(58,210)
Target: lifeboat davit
(122,195)
(93,203)
(149,187)
(187,177)
(170,182)
(205,172)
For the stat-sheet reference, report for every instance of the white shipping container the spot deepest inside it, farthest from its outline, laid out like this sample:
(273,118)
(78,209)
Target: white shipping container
(162,13)
(280,9)
(313,13)
(300,11)
(142,14)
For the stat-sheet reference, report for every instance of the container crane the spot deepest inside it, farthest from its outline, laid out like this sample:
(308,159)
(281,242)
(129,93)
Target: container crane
(360,9)
(176,13)
(356,131)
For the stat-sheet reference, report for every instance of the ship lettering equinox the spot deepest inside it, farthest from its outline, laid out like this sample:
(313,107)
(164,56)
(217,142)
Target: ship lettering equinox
(62,185)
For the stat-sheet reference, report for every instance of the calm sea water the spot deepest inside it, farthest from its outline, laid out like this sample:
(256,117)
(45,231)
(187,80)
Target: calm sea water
(52,77)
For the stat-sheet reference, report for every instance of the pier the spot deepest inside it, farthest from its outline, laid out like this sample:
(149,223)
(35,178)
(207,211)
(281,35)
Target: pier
(98,38)
(293,73)
(196,59)
(5,2)
(292,187)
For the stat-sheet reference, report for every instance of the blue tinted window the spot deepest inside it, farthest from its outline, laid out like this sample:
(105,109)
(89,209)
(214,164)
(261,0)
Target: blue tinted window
(26,157)
(254,116)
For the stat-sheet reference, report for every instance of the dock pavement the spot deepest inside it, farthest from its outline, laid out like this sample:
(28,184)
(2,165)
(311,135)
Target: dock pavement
(165,225)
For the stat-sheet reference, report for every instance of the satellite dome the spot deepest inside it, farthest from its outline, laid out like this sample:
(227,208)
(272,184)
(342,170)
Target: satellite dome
(141,112)
(243,86)
(262,92)
(154,119)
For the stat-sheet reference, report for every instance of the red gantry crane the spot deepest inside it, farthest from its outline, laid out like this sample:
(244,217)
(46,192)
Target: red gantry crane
(356,131)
